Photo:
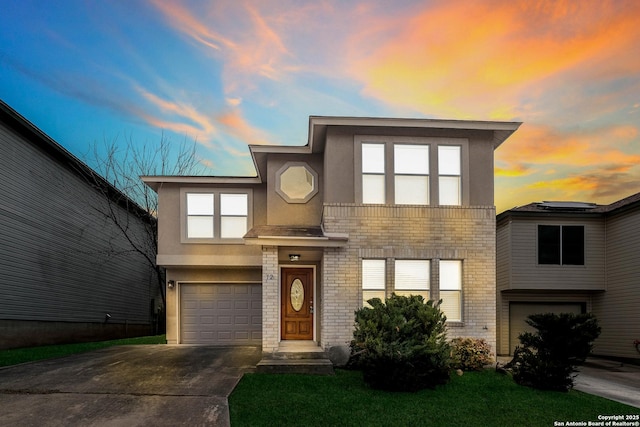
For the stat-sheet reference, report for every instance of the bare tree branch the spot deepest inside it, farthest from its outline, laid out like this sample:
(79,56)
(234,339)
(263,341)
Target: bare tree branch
(121,167)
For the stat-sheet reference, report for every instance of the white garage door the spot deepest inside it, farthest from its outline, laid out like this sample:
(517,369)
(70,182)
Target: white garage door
(518,313)
(221,314)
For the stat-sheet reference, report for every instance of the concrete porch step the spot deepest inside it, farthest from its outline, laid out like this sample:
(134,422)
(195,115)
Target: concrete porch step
(314,366)
(298,357)
(290,355)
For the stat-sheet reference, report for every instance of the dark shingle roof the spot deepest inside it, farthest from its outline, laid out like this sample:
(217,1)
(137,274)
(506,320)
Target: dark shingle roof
(574,207)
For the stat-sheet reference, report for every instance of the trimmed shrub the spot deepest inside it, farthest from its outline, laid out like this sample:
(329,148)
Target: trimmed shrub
(470,354)
(401,345)
(547,359)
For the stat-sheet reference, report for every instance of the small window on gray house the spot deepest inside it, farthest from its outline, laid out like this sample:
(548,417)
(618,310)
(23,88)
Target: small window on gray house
(561,244)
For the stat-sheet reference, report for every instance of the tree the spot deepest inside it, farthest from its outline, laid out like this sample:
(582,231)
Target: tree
(119,168)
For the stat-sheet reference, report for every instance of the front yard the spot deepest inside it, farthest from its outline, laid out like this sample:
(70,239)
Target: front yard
(475,399)
(30,354)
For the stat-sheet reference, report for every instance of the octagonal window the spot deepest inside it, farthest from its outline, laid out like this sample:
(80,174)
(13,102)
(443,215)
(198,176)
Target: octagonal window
(296,182)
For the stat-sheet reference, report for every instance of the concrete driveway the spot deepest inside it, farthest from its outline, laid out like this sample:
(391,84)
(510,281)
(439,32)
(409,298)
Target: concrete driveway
(610,379)
(150,385)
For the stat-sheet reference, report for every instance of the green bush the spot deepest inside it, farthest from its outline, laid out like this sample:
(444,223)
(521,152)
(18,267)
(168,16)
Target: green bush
(547,359)
(470,354)
(401,345)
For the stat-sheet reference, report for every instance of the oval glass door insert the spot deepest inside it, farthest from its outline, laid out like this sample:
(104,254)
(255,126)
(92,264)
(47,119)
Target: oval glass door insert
(297,294)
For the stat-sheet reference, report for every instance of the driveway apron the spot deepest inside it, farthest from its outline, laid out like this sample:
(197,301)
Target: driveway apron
(610,379)
(150,385)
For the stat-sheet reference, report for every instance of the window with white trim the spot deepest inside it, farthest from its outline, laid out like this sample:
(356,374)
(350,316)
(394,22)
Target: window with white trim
(411,277)
(233,215)
(216,216)
(449,175)
(451,289)
(373,279)
(404,170)
(411,170)
(200,214)
(373,173)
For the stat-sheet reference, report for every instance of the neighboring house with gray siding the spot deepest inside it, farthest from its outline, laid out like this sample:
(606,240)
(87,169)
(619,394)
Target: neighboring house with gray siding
(368,207)
(66,273)
(571,257)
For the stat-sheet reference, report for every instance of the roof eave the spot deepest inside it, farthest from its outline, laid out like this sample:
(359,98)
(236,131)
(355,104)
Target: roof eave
(501,130)
(156,181)
(288,241)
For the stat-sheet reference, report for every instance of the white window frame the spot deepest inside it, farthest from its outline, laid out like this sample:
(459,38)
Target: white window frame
(217,217)
(373,283)
(412,277)
(203,212)
(412,172)
(450,287)
(433,143)
(372,174)
(446,174)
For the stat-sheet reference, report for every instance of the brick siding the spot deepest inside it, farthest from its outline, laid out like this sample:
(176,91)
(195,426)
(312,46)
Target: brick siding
(270,299)
(409,232)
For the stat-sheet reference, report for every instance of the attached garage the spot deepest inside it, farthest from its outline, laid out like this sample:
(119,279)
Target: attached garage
(221,314)
(518,313)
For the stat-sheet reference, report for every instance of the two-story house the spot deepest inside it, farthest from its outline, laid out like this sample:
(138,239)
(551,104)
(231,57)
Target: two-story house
(571,257)
(369,206)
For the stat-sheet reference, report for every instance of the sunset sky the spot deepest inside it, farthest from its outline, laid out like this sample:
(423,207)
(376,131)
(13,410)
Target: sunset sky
(237,72)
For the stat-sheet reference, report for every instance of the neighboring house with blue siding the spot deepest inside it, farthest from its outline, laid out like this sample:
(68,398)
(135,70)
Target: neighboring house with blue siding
(66,272)
(571,257)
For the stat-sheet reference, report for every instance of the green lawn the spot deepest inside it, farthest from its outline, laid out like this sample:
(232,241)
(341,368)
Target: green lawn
(474,399)
(21,355)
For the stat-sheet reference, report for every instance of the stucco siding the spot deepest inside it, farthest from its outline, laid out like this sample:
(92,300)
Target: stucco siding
(338,174)
(60,259)
(279,211)
(172,252)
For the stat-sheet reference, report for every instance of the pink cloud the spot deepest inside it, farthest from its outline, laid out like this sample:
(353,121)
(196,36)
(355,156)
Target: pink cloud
(236,125)
(480,59)
(542,147)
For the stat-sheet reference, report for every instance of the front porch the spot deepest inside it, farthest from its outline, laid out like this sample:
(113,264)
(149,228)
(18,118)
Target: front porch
(299,357)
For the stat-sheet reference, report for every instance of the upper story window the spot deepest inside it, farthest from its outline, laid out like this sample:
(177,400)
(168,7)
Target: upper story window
(216,216)
(410,170)
(200,215)
(561,244)
(296,182)
(373,173)
(449,174)
(233,215)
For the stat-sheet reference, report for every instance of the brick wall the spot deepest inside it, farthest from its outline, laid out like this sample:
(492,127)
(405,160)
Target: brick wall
(410,232)
(270,299)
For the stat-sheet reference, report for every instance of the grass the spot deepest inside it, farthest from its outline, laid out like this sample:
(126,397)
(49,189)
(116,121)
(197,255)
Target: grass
(22,355)
(475,399)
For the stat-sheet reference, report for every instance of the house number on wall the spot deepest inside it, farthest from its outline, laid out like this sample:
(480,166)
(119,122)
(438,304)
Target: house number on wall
(297,294)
